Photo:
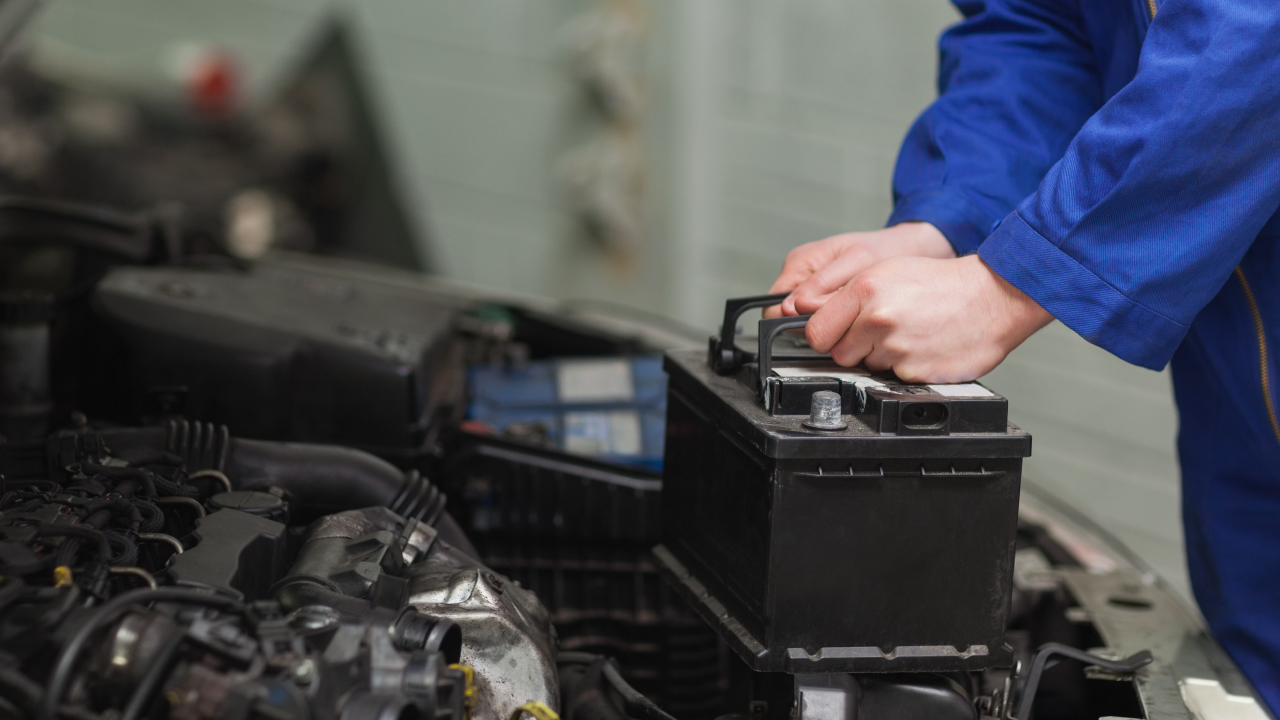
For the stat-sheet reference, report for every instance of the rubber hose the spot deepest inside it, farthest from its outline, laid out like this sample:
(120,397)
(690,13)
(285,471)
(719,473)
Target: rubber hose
(67,551)
(451,532)
(174,488)
(161,457)
(121,505)
(323,479)
(98,520)
(76,531)
(128,554)
(20,690)
(121,473)
(152,516)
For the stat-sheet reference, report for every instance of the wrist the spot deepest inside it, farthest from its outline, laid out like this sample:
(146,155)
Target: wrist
(921,239)
(1016,313)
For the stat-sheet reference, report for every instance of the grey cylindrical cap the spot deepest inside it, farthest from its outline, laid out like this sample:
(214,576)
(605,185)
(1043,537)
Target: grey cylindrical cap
(825,411)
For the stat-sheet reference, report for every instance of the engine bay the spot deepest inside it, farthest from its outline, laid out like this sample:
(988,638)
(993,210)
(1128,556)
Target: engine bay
(309,488)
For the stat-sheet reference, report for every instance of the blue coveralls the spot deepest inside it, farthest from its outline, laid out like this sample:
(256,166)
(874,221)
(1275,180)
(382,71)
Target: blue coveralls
(1119,161)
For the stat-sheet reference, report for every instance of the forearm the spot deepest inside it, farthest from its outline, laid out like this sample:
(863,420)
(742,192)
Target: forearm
(1163,191)
(1016,82)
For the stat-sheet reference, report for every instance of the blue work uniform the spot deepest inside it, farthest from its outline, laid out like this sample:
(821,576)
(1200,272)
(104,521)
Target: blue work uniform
(1119,161)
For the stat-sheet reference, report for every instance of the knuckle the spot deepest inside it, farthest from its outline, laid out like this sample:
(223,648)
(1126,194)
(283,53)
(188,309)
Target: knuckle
(799,253)
(860,255)
(880,318)
(845,354)
(895,348)
(865,285)
(876,364)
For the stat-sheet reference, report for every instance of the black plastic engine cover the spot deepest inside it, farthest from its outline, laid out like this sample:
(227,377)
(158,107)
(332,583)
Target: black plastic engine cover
(283,351)
(854,550)
(235,553)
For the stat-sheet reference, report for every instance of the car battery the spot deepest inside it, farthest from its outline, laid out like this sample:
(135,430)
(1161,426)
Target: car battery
(827,519)
(607,408)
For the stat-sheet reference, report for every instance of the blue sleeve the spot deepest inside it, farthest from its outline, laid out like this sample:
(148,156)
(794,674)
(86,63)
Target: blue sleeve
(1016,81)
(1163,190)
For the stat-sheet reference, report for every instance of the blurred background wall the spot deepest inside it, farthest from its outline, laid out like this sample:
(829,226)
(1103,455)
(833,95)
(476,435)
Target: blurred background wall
(662,154)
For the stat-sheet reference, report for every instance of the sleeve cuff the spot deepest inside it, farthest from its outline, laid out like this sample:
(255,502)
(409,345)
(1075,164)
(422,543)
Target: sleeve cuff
(963,224)
(1083,301)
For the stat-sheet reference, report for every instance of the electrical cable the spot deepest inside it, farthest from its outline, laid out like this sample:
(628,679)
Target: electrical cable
(636,701)
(66,660)
(152,516)
(148,479)
(1127,666)
(19,689)
(128,554)
(189,502)
(76,531)
(11,589)
(117,504)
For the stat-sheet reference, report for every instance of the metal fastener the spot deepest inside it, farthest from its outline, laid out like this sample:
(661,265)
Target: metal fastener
(824,411)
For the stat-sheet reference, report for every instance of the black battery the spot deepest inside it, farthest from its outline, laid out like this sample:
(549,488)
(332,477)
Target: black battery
(876,538)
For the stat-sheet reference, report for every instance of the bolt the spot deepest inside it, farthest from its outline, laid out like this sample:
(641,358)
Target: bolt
(824,411)
(494,581)
(304,672)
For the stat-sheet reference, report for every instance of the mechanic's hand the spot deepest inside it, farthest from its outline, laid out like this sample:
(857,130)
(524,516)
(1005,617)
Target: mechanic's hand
(819,268)
(928,320)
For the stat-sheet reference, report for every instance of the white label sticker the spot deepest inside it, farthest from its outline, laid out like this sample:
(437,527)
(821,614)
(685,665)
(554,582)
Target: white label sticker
(603,433)
(624,433)
(963,390)
(856,376)
(593,381)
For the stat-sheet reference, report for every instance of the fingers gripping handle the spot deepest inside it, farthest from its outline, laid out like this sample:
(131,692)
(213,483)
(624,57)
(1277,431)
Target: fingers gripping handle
(769,331)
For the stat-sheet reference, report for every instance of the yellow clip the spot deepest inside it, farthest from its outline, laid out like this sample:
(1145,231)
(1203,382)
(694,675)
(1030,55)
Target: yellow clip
(468,689)
(62,576)
(537,709)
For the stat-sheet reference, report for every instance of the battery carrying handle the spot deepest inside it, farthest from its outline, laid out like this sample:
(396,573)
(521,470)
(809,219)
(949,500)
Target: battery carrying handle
(769,331)
(725,357)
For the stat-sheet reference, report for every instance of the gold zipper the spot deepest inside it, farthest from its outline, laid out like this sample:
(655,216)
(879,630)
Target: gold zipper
(1151,5)
(1262,350)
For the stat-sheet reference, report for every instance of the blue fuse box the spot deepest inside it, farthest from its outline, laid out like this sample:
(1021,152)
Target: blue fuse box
(610,409)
